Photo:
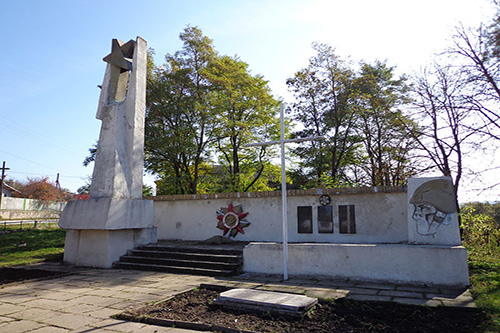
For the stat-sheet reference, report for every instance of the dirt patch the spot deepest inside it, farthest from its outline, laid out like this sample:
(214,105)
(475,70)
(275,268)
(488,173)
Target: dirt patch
(8,275)
(194,310)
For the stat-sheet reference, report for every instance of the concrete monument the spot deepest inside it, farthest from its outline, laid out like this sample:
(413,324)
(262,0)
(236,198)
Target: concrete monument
(115,218)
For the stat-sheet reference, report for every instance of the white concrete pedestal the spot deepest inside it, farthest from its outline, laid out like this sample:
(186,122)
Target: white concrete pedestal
(395,263)
(99,231)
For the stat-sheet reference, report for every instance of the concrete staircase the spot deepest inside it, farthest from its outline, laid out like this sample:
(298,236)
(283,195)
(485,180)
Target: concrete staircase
(185,258)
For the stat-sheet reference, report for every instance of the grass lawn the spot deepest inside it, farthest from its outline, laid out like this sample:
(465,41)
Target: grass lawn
(28,246)
(484,272)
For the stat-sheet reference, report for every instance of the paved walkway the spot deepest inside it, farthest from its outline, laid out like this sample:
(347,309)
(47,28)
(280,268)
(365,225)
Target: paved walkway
(84,300)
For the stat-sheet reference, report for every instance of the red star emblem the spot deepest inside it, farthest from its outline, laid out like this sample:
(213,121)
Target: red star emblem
(231,219)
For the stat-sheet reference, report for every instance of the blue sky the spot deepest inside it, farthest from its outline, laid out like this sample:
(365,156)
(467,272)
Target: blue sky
(52,54)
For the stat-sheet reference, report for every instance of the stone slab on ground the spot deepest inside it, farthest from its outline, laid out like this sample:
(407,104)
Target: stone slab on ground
(266,301)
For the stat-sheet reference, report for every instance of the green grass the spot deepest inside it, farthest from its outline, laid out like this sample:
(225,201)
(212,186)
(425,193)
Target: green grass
(40,245)
(484,272)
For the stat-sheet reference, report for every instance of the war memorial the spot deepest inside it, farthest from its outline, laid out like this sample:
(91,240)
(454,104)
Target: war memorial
(408,234)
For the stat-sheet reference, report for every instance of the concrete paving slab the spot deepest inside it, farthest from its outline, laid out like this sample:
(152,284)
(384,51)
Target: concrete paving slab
(103,313)
(78,308)
(360,291)
(376,298)
(57,296)
(4,319)
(119,325)
(265,301)
(16,298)
(34,314)
(20,326)
(282,288)
(44,303)
(127,305)
(459,304)
(418,289)
(379,286)
(417,301)
(6,309)
(98,301)
(71,321)
(326,293)
(395,293)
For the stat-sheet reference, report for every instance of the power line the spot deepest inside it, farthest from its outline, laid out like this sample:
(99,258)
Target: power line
(43,174)
(25,159)
(30,134)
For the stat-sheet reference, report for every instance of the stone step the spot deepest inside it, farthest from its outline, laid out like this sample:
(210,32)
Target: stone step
(190,257)
(173,269)
(181,263)
(209,249)
(186,255)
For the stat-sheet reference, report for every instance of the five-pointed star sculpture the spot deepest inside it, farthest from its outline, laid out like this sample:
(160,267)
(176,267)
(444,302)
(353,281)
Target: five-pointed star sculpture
(121,54)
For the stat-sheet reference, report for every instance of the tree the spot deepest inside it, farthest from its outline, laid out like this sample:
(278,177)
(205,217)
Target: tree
(41,189)
(201,106)
(324,106)
(179,124)
(444,115)
(245,112)
(476,53)
(358,113)
(381,127)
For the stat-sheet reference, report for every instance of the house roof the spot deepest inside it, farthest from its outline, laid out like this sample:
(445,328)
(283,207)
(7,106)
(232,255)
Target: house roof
(10,188)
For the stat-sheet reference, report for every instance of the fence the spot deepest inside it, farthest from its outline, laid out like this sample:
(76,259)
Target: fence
(25,204)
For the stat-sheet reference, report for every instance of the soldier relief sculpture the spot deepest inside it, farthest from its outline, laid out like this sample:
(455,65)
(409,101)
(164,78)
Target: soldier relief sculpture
(434,204)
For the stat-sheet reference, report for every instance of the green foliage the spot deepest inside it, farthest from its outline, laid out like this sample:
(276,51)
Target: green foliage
(481,237)
(480,232)
(358,113)
(22,247)
(201,108)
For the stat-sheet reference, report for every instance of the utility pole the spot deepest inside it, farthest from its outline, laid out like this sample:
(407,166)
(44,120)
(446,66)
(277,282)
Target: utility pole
(1,182)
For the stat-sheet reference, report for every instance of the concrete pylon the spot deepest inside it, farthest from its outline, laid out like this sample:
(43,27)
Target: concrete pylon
(115,218)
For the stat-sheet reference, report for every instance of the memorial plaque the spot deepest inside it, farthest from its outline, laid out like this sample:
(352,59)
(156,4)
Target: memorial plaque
(325,219)
(347,221)
(304,219)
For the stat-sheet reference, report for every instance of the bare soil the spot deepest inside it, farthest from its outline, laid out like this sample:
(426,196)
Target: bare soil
(194,310)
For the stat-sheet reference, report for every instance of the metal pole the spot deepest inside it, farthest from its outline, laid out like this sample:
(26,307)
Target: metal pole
(1,183)
(284,215)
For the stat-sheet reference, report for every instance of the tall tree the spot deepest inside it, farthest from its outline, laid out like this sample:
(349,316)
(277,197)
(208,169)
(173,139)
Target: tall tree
(445,118)
(245,112)
(179,123)
(324,106)
(476,53)
(387,148)
(359,114)
(203,106)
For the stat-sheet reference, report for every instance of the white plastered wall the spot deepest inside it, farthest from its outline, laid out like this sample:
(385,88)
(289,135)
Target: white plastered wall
(380,218)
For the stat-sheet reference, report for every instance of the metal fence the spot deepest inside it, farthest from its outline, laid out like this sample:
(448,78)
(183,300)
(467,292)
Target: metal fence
(28,224)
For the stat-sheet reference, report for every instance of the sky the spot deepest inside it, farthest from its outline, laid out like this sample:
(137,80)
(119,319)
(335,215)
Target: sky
(52,54)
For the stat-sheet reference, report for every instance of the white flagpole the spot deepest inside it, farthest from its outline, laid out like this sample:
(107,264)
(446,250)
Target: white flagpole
(284,215)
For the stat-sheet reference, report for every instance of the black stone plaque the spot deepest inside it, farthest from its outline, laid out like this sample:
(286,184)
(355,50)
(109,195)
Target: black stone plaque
(347,221)
(304,219)
(325,219)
